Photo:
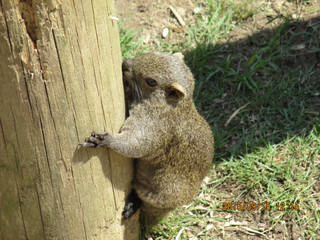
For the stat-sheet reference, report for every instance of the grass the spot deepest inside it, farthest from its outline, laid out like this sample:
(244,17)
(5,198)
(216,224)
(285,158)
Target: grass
(130,44)
(261,95)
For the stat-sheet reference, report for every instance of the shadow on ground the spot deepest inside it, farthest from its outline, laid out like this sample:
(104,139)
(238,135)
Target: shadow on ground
(260,89)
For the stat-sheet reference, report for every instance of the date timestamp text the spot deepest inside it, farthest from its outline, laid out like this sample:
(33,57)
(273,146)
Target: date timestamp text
(253,206)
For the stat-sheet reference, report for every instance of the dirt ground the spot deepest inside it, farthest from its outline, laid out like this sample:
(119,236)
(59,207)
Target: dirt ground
(152,17)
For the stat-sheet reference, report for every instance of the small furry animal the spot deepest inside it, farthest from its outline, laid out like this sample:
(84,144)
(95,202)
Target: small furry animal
(171,143)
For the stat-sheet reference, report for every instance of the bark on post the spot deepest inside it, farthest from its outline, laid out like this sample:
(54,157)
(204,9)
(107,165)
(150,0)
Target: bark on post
(60,78)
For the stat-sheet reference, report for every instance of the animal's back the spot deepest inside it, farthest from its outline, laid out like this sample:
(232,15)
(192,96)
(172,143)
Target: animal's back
(173,176)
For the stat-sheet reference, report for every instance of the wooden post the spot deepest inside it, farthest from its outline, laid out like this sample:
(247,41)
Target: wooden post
(60,78)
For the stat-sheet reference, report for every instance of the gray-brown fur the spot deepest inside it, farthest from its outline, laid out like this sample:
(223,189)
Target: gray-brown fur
(171,142)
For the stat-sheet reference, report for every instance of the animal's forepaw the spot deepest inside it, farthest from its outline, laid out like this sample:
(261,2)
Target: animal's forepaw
(96,140)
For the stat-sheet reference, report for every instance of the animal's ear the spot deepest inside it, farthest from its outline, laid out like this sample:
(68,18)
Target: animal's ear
(175,92)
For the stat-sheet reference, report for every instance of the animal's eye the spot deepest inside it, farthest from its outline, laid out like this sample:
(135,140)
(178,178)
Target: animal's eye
(151,82)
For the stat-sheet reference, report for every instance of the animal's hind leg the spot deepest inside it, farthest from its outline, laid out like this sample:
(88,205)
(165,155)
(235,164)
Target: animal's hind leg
(133,203)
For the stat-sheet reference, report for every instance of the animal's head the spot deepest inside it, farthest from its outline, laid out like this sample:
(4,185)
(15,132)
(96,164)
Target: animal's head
(158,74)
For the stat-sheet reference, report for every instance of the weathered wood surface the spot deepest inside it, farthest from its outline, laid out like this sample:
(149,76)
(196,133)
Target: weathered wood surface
(60,78)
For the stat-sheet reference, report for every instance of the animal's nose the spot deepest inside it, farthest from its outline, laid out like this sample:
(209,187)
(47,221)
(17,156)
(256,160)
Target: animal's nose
(126,65)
